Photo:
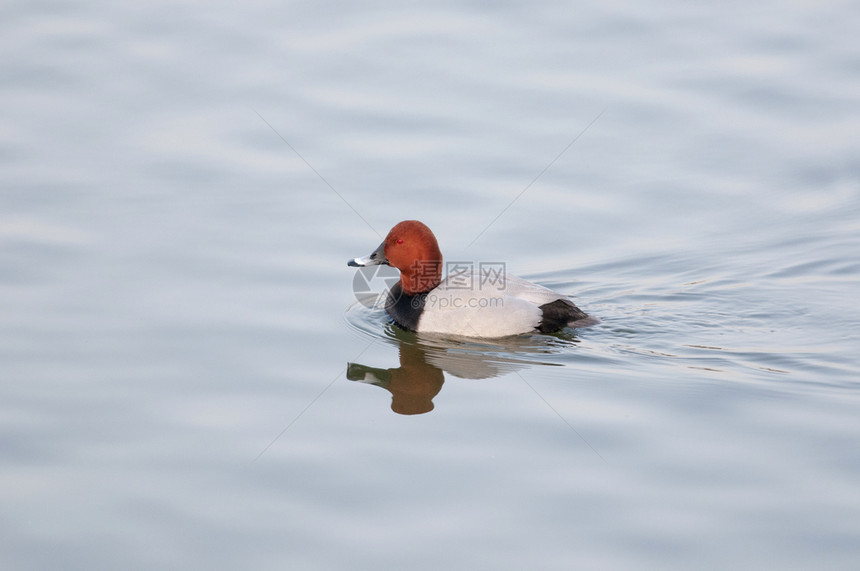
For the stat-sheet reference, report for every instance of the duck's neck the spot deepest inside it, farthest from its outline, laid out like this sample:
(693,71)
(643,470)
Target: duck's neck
(421,276)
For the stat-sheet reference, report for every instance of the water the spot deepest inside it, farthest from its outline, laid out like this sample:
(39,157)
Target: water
(178,320)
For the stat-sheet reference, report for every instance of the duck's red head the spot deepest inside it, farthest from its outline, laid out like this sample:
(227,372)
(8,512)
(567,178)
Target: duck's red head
(410,247)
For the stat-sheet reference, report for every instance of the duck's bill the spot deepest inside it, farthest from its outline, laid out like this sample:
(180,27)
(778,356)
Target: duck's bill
(376,258)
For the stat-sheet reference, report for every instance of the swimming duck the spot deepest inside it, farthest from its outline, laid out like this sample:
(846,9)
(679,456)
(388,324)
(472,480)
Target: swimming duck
(487,303)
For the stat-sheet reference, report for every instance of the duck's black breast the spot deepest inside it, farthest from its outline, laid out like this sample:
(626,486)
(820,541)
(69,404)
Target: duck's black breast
(403,308)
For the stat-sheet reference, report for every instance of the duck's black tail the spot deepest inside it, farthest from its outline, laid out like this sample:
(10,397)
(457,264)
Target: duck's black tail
(558,314)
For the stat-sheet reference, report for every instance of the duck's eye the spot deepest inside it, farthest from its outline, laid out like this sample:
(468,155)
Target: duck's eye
(399,241)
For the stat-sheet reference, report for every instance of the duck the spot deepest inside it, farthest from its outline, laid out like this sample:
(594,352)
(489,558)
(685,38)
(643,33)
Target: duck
(488,303)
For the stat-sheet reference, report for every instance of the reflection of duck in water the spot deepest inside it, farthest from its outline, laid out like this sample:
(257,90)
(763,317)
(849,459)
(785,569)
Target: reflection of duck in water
(423,364)
(412,385)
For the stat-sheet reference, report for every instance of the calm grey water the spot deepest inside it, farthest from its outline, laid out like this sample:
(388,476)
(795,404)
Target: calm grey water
(177,318)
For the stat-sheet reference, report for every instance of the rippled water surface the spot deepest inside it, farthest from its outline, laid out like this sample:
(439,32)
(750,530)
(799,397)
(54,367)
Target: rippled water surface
(186,377)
